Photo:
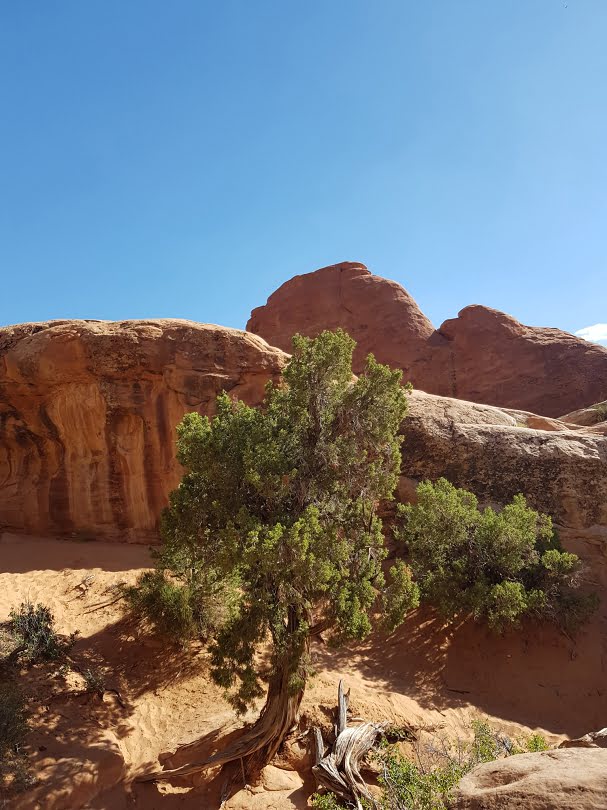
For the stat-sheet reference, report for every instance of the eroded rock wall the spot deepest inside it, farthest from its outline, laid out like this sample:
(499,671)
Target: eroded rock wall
(88,412)
(492,452)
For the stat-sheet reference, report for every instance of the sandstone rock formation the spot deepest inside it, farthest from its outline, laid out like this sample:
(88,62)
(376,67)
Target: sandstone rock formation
(499,361)
(88,411)
(379,314)
(491,452)
(482,355)
(594,415)
(594,739)
(575,779)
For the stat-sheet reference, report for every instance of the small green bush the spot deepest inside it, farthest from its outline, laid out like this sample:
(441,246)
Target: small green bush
(33,627)
(94,681)
(497,566)
(326,801)
(428,783)
(601,412)
(534,743)
(185,605)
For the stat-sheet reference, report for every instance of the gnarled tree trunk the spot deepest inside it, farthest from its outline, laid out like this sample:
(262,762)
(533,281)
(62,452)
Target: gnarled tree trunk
(259,744)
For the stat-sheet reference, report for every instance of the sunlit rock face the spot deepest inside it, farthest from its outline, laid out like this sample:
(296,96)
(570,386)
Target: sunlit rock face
(378,313)
(497,453)
(482,355)
(88,411)
(550,780)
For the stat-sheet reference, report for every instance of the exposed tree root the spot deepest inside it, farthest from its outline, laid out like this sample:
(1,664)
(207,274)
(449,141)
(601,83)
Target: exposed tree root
(337,770)
(258,745)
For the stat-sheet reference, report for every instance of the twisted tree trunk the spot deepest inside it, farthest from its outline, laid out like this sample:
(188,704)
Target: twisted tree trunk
(259,744)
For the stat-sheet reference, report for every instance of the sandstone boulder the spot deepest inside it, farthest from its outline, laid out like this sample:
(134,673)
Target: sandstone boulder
(594,415)
(594,739)
(575,779)
(88,411)
(488,450)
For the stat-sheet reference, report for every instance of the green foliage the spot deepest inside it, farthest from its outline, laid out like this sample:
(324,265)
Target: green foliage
(180,599)
(278,506)
(14,774)
(497,566)
(429,782)
(33,627)
(326,801)
(535,742)
(94,681)
(601,412)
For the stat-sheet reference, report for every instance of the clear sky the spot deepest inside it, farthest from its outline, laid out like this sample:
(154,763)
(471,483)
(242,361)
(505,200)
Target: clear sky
(183,159)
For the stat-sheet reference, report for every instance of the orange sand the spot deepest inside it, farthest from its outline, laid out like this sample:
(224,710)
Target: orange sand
(87,751)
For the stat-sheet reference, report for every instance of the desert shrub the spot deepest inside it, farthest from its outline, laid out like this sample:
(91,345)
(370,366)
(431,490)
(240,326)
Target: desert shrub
(601,412)
(428,783)
(534,743)
(14,773)
(33,627)
(94,680)
(497,566)
(326,801)
(187,603)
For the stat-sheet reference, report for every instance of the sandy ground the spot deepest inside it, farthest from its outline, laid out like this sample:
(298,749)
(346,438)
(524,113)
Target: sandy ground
(87,750)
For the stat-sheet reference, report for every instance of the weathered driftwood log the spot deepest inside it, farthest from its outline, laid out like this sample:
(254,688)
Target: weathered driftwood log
(339,769)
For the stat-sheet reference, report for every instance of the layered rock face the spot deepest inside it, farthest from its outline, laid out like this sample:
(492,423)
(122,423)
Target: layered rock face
(482,355)
(88,411)
(550,780)
(497,453)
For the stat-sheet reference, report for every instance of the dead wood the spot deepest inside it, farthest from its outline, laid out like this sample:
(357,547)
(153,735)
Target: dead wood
(339,769)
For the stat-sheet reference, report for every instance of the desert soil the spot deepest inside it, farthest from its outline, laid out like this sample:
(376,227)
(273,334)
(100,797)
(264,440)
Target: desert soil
(87,750)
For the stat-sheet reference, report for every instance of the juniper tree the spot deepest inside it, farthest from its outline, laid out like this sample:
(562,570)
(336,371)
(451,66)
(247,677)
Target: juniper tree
(281,502)
(499,567)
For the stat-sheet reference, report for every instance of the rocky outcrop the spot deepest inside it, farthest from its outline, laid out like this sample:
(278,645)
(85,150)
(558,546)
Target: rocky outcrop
(499,361)
(482,355)
(493,453)
(379,314)
(88,411)
(575,779)
(594,415)
(594,739)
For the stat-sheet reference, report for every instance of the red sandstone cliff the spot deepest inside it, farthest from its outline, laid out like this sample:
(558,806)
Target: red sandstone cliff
(88,411)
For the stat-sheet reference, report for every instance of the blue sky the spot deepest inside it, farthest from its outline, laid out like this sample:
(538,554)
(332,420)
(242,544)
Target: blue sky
(183,159)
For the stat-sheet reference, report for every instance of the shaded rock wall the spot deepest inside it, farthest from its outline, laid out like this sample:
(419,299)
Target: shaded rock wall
(489,451)
(88,413)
